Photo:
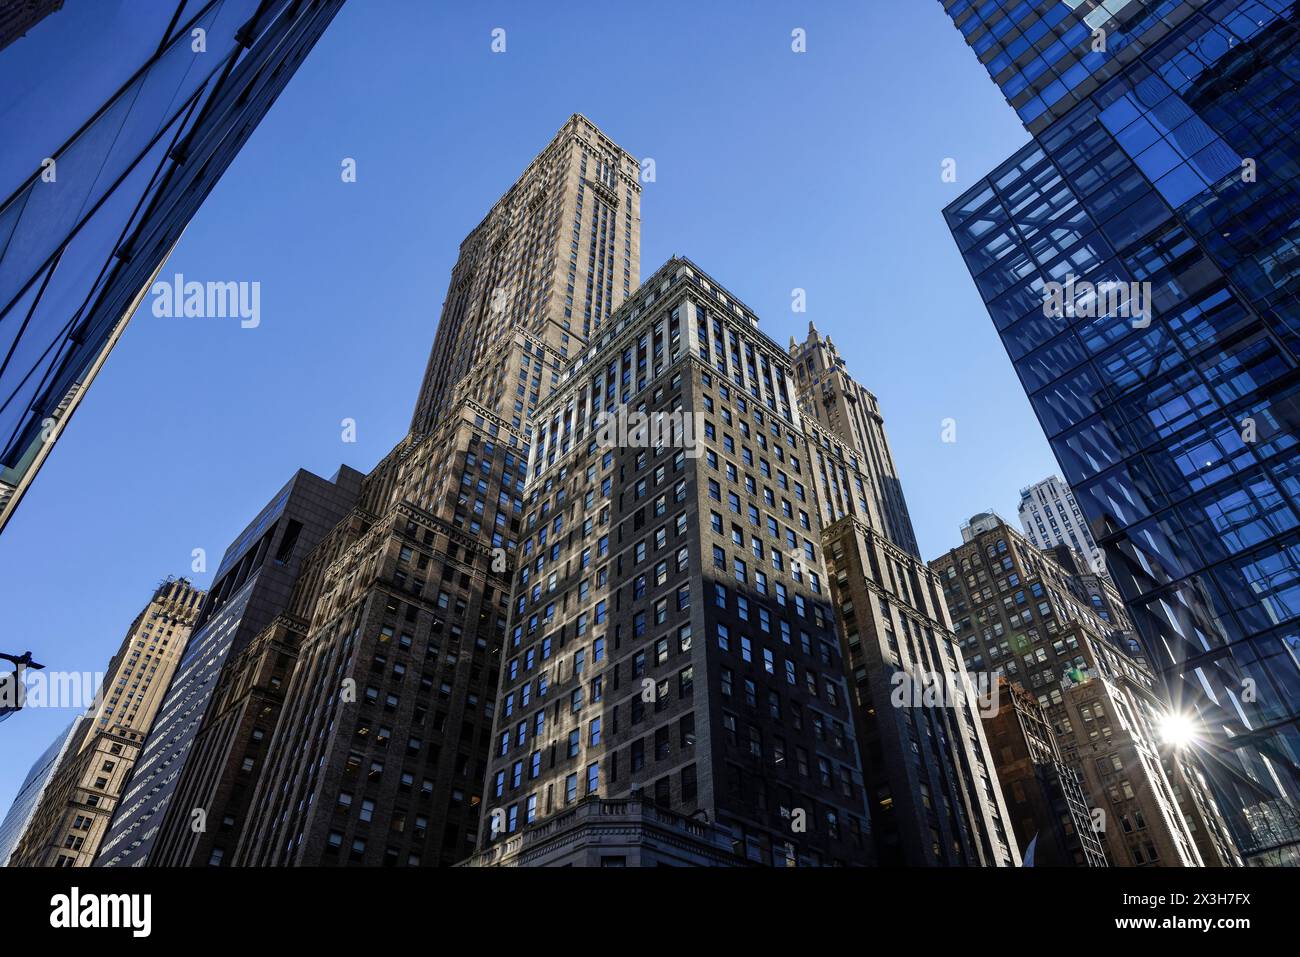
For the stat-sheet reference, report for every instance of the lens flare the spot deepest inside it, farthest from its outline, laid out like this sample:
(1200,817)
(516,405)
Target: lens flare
(1177,730)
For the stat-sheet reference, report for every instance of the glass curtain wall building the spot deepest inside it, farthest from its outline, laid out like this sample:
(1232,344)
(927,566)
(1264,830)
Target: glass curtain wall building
(118,121)
(1162,192)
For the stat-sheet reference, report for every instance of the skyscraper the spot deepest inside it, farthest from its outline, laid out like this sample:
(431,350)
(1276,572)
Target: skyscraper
(928,775)
(73,815)
(380,751)
(1138,259)
(671,636)
(252,585)
(1050,516)
(121,144)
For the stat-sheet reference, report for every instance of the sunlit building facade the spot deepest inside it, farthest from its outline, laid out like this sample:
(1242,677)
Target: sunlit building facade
(70,821)
(381,748)
(671,634)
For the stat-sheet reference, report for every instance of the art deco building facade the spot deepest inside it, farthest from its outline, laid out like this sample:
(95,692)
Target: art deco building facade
(380,751)
(1048,809)
(70,822)
(1167,154)
(1049,515)
(929,779)
(672,637)
(252,585)
(121,144)
(1021,615)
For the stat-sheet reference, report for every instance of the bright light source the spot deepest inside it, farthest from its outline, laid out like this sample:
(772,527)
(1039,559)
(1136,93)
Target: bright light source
(1178,730)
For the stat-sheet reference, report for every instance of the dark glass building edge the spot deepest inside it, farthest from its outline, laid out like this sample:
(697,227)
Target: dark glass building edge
(33,788)
(1178,436)
(139,126)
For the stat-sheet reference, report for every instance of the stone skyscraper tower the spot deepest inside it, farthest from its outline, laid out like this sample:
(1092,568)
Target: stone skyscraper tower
(673,690)
(380,752)
(72,819)
(929,779)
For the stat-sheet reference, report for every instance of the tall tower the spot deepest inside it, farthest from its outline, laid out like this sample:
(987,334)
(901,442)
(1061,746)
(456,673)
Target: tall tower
(1050,516)
(834,400)
(929,779)
(72,818)
(1161,190)
(548,265)
(381,748)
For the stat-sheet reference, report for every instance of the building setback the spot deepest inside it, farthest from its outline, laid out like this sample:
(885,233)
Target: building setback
(72,818)
(380,751)
(1162,188)
(930,782)
(1022,615)
(252,585)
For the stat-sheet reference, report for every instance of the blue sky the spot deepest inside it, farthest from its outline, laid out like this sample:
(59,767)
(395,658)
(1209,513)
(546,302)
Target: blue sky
(775,170)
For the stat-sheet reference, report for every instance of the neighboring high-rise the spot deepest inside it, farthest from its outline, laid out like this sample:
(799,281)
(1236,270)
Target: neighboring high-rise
(1139,260)
(69,823)
(120,145)
(1022,615)
(252,585)
(1045,800)
(33,788)
(929,779)
(672,637)
(1050,516)
(835,401)
(380,751)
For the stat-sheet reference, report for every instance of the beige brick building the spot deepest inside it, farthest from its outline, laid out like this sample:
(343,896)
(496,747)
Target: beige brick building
(72,818)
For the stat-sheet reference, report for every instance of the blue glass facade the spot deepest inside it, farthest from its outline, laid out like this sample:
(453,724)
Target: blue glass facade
(1178,167)
(127,116)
